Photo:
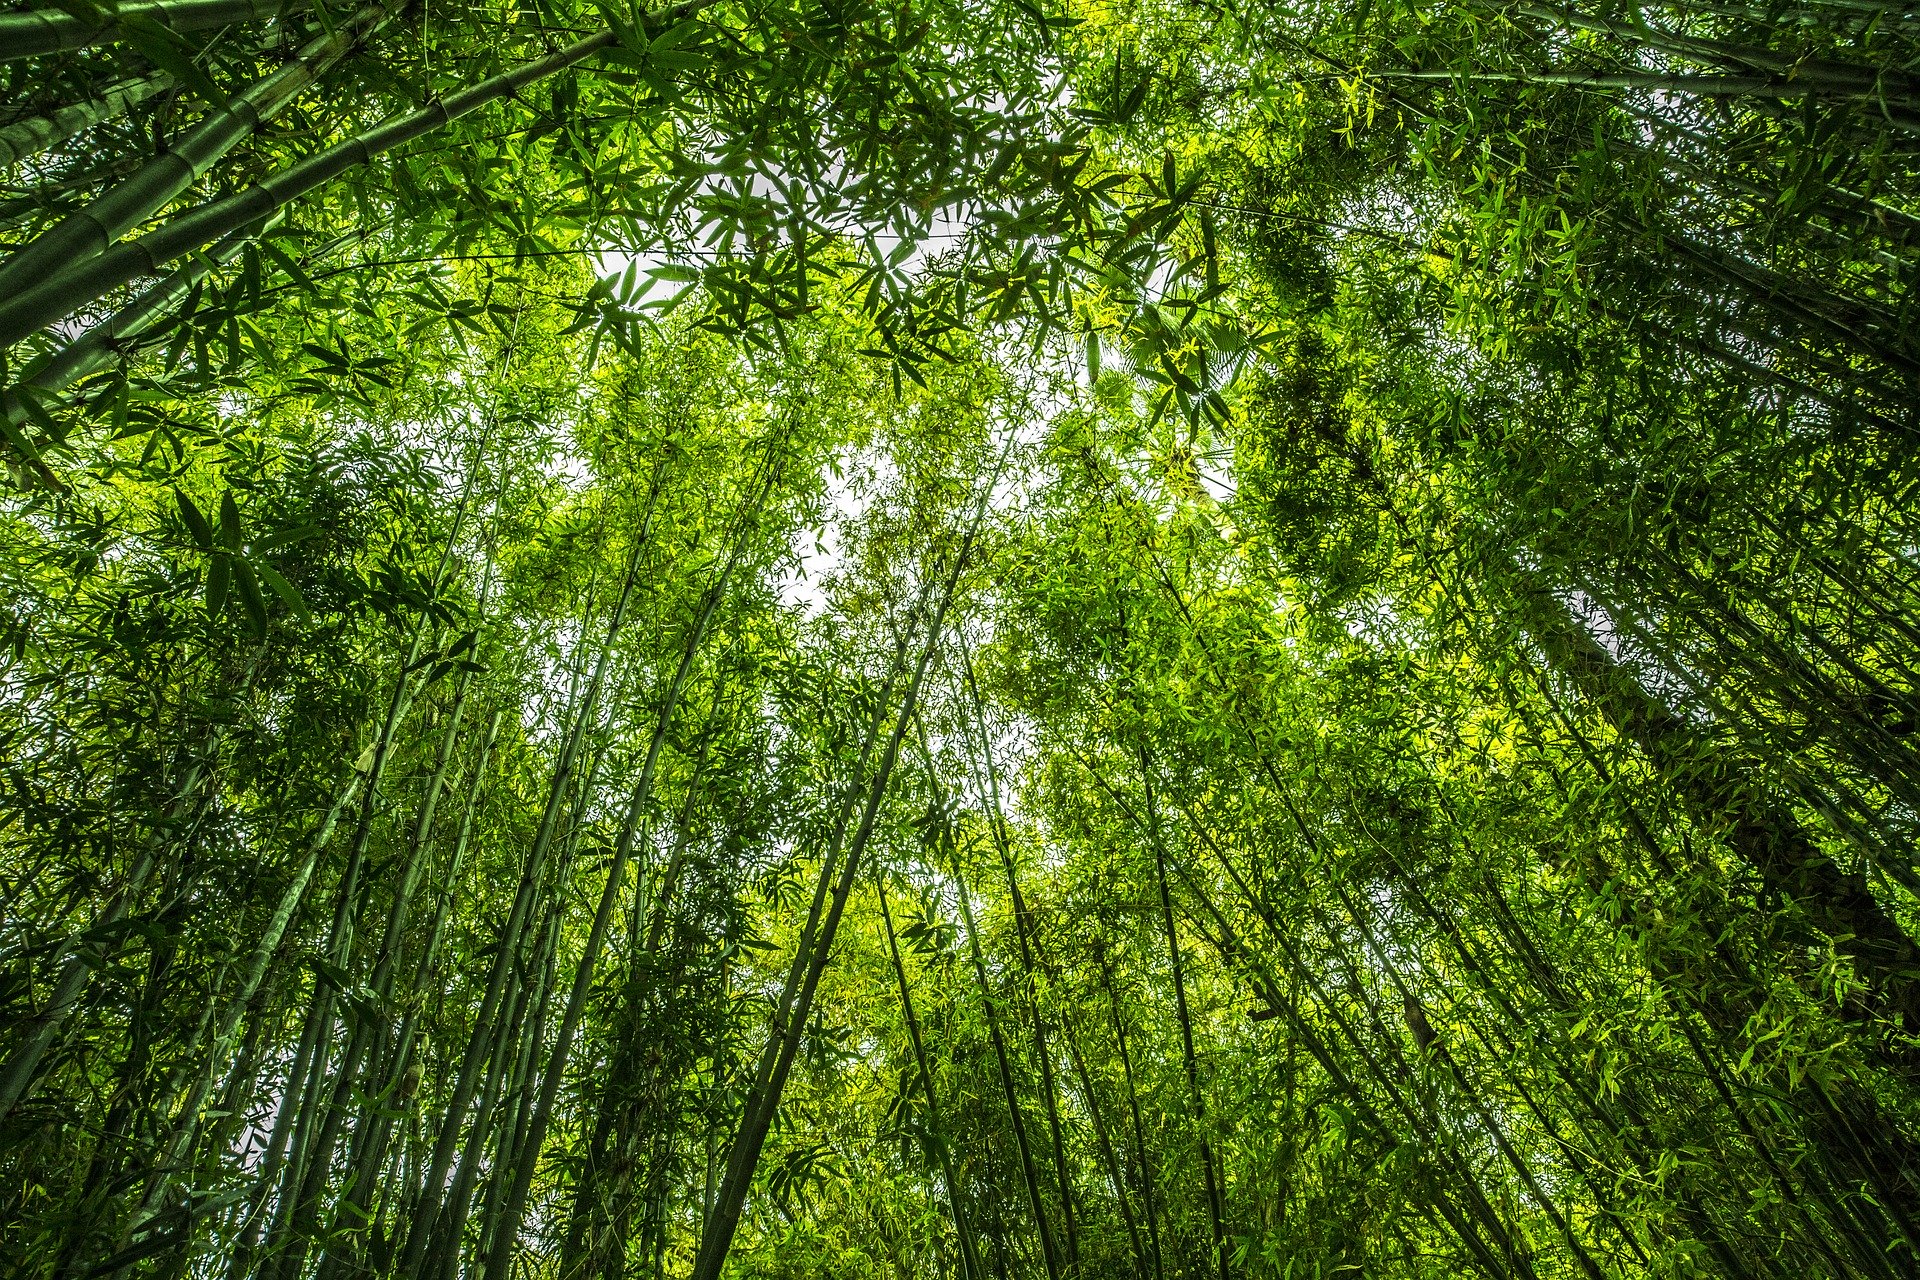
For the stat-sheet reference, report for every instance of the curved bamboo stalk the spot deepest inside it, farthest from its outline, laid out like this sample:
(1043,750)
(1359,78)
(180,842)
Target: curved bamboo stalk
(94,349)
(25,139)
(103,268)
(88,232)
(31,35)
(19,210)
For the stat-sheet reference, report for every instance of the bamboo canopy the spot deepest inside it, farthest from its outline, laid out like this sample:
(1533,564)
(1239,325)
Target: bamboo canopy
(959,638)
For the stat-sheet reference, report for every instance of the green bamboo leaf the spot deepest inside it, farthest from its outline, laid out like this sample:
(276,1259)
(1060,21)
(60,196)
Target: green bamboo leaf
(231,534)
(286,537)
(286,262)
(168,50)
(620,18)
(197,524)
(26,450)
(219,575)
(36,411)
(250,598)
(282,588)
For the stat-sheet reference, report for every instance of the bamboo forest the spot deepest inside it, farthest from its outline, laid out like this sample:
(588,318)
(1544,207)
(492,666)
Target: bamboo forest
(959,639)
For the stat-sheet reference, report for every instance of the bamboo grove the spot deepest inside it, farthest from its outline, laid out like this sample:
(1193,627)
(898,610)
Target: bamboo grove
(989,639)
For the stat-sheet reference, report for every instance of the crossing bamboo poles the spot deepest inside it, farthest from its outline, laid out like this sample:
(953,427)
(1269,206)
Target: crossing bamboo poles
(1762,832)
(40,32)
(319,1130)
(84,238)
(189,1113)
(829,900)
(1891,1196)
(389,1055)
(996,1035)
(1480,1228)
(18,1074)
(480,1045)
(1024,930)
(24,139)
(71,244)
(527,1151)
(1871,1152)
(1209,1172)
(963,1230)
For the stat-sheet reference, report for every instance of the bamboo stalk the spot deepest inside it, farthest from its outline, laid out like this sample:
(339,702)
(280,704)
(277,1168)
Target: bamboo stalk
(1900,114)
(318,1150)
(1496,1250)
(40,32)
(17,1076)
(98,268)
(87,233)
(1760,831)
(25,139)
(1103,1142)
(969,1255)
(1024,931)
(19,210)
(1141,1161)
(94,349)
(421,1229)
(188,1115)
(1868,82)
(582,1248)
(1016,1117)
(367,1149)
(1185,1018)
(795,1000)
